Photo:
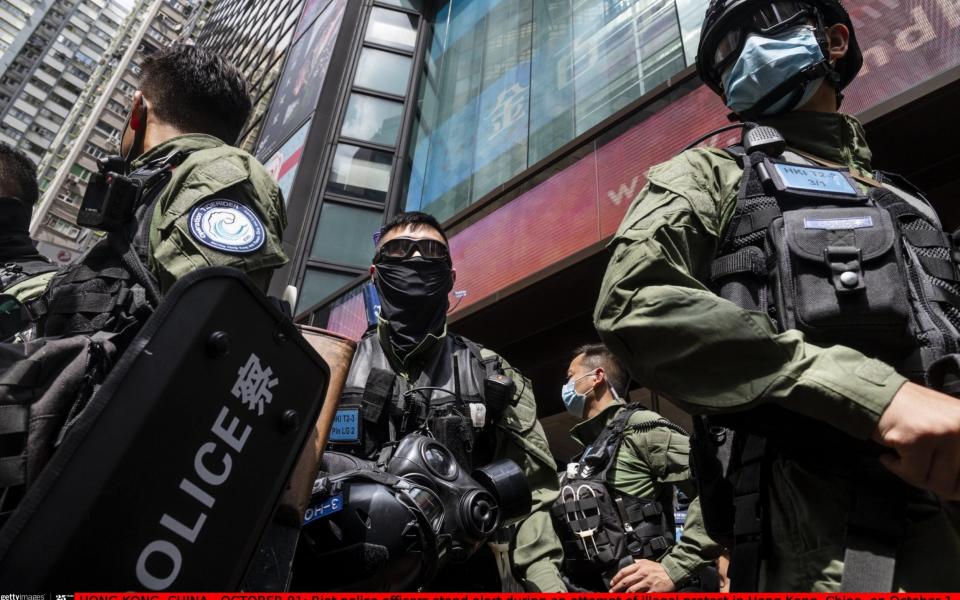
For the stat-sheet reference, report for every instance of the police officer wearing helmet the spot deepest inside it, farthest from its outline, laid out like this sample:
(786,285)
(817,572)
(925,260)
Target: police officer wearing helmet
(808,305)
(615,511)
(24,272)
(411,374)
(180,198)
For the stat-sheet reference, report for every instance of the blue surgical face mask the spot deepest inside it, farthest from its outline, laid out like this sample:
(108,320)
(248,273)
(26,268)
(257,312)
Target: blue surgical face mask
(765,63)
(573,400)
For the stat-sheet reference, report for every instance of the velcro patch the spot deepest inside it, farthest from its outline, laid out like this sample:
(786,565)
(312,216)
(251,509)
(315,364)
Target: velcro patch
(836,224)
(227,226)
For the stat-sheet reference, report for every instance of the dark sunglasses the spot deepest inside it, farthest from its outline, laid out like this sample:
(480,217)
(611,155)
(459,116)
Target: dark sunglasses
(768,20)
(400,247)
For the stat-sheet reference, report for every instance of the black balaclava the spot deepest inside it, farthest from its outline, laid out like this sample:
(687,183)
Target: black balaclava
(15,242)
(413,299)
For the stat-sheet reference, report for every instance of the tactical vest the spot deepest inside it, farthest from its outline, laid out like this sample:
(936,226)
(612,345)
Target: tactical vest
(872,271)
(15,272)
(110,288)
(378,406)
(601,527)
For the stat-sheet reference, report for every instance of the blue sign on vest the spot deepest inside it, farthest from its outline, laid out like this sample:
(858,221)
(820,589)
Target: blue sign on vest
(801,178)
(346,426)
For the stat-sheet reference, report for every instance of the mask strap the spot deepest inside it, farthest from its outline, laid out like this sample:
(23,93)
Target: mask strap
(790,85)
(138,136)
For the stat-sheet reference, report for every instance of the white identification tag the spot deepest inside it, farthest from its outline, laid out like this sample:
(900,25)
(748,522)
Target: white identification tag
(478,414)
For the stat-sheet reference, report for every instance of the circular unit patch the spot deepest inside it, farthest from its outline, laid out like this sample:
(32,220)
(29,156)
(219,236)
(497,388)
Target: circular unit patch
(227,226)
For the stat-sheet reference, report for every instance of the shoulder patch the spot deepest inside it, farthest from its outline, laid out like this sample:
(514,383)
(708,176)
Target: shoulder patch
(227,226)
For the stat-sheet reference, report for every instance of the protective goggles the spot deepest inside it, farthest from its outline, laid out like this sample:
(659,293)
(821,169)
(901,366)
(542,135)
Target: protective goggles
(400,248)
(770,18)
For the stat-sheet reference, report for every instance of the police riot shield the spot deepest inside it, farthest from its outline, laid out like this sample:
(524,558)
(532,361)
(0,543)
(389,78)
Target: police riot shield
(175,467)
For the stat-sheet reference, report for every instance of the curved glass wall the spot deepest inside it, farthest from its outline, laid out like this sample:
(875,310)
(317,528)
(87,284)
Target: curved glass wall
(507,82)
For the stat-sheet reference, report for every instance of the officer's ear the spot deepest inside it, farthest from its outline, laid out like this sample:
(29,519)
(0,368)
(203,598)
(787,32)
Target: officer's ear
(601,376)
(138,113)
(453,276)
(838,41)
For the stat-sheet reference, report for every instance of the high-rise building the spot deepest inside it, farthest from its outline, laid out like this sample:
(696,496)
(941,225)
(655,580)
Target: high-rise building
(51,66)
(93,128)
(527,128)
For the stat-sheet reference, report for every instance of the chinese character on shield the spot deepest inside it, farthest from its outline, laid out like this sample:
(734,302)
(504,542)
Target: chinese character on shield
(253,384)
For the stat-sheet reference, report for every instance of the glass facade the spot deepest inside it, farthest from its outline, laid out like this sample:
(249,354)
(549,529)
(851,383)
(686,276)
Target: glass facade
(506,83)
(255,38)
(359,177)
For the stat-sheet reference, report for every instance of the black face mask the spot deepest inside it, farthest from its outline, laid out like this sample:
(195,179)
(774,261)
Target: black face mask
(413,298)
(15,239)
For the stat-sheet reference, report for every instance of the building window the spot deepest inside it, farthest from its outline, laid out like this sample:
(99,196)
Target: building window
(392,28)
(372,119)
(507,84)
(360,173)
(318,284)
(67,198)
(345,234)
(383,71)
(93,151)
(63,227)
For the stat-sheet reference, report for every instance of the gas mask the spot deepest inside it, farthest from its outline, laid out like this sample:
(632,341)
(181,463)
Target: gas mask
(392,528)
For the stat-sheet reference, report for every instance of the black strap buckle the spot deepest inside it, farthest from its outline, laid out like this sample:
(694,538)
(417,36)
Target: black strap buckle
(846,271)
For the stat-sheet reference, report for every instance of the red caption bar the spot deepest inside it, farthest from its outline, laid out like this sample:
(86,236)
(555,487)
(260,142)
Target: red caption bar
(469,596)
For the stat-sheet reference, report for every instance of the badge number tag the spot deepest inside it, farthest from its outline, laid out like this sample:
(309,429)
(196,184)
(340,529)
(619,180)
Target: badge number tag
(817,180)
(323,509)
(346,426)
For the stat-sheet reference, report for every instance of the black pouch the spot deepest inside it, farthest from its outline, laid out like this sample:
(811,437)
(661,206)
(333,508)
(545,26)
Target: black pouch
(838,278)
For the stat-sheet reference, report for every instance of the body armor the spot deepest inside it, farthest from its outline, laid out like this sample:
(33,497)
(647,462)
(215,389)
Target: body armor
(602,529)
(871,270)
(448,399)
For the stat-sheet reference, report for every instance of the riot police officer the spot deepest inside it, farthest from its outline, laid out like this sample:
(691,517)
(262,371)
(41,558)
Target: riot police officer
(615,511)
(180,198)
(809,305)
(24,272)
(410,374)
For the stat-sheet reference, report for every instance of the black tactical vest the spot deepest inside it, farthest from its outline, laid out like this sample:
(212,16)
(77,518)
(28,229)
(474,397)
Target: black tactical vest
(872,271)
(599,526)
(447,399)
(110,288)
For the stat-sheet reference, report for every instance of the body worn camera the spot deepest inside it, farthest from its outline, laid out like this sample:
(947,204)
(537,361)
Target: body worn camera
(393,528)
(111,197)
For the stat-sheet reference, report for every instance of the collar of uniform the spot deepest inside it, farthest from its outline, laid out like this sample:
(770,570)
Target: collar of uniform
(587,431)
(188,142)
(416,361)
(835,137)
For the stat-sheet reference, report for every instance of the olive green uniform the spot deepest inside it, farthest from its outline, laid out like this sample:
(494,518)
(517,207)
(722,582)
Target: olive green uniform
(709,355)
(647,465)
(537,553)
(212,171)
(28,289)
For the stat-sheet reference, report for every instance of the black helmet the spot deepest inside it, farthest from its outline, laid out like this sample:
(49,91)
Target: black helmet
(727,21)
